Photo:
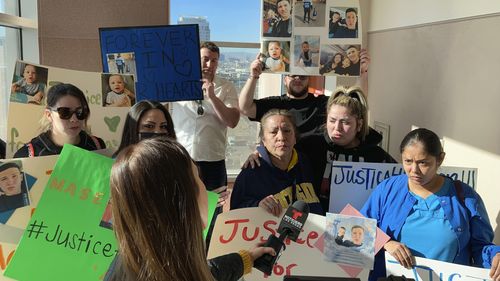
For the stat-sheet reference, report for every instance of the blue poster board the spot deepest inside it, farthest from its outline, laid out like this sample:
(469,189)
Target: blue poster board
(165,59)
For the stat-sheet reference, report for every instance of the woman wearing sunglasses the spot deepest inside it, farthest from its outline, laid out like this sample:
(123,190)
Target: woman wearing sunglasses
(64,121)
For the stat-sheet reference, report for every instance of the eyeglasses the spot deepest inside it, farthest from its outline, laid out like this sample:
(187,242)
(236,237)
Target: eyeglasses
(65,113)
(301,77)
(200,109)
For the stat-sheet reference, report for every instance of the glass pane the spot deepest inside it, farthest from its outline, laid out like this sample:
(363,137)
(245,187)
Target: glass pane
(9,52)
(228,20)
(234,65)
(9,7)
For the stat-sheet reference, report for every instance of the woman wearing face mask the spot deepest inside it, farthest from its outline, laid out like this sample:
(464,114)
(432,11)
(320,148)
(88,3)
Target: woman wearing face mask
(146,119)
(429,215)
(159,214)
(64,121)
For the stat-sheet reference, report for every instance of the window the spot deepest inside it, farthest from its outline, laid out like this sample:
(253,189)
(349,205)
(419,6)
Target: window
(15,32)
(239,46)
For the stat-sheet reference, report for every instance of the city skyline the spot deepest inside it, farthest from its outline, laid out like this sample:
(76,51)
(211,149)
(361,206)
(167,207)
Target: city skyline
(220,14)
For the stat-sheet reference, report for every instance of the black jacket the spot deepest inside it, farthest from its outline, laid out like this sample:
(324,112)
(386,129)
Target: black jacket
(43,145)
(321,150)
(224,268)
(2,149)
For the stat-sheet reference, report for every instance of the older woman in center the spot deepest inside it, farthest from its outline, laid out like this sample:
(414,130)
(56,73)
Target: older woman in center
(283,177)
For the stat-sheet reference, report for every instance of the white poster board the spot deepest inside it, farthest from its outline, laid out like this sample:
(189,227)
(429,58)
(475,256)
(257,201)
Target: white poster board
(302,37)
(432,270)
(353,182)
(244,228)
(104,122)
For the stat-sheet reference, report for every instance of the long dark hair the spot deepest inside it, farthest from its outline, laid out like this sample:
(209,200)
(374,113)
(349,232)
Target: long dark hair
(156,214)
(130,133)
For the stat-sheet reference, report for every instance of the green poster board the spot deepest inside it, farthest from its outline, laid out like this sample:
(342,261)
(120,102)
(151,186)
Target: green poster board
(63,240)
(212,204)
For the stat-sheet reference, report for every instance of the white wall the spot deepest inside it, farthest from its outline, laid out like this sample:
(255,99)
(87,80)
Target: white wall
(443,76)
(387,14)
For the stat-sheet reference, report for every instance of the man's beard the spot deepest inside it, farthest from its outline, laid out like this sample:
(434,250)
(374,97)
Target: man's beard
(298,94)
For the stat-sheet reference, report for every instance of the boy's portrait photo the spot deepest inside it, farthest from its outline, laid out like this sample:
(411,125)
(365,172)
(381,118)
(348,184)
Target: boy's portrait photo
(275,56)
(306,51)
(13,188)
(118,90)
(350,240)
(309,13)
(122,63)
(343,22)
(28,84)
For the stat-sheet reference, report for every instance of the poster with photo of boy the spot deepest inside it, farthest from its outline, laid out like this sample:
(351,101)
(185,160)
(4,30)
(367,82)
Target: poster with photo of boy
(122,63)
(350,240)
(314,18)
(13,188)
(29,83)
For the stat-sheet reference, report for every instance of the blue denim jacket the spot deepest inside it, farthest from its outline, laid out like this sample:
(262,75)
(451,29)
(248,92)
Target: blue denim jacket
(390,203)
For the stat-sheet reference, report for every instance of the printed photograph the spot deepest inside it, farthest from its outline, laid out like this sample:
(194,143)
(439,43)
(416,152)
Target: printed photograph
(343,22)
(275,56)
(118,90)
(309,13)
(122,63)
(306,51)
(340,60)
(13,188)
(350,240)
(29,84)
(277,18)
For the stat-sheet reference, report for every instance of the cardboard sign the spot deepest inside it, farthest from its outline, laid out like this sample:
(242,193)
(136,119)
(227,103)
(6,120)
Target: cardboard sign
(63,239)
(165,59)
(433,270)
(104,122)
(353,182)
(311,37)
(13,222)
(244,228)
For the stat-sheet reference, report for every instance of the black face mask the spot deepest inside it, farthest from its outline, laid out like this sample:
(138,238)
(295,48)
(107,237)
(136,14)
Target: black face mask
(149,135)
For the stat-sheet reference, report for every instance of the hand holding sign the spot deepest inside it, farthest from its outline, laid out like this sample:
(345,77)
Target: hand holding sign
(401,253)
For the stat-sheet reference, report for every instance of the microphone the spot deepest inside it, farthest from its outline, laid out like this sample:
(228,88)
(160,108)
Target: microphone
(290,226)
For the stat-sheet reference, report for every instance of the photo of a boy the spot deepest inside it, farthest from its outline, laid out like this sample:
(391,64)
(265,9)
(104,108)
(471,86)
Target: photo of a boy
(117,93)
(13,189)
(29,88)
(276,60)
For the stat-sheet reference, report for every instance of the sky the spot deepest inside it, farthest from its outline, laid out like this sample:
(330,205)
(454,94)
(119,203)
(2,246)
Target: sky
(230,20)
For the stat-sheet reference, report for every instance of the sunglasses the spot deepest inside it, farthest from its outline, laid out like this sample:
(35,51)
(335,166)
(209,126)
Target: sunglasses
(301,77)
(65,113)
(200,109)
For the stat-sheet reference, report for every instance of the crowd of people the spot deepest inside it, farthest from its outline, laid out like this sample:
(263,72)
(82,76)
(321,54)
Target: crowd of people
(301,135)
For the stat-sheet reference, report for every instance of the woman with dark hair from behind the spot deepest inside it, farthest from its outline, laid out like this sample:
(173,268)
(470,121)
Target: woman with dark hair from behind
(146,119)
(64,121)
(159,214)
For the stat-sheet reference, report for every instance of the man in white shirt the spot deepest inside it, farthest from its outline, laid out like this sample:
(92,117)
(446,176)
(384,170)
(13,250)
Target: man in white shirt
(201,126)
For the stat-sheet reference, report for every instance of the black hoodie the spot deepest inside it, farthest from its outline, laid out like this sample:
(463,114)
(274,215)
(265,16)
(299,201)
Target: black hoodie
(321,151)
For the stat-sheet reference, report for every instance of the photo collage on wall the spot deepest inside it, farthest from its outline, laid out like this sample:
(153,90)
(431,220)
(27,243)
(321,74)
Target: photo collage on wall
(311,37)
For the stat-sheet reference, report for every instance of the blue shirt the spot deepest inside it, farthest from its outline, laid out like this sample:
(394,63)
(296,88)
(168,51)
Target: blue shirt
(427,217)
(391,203)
